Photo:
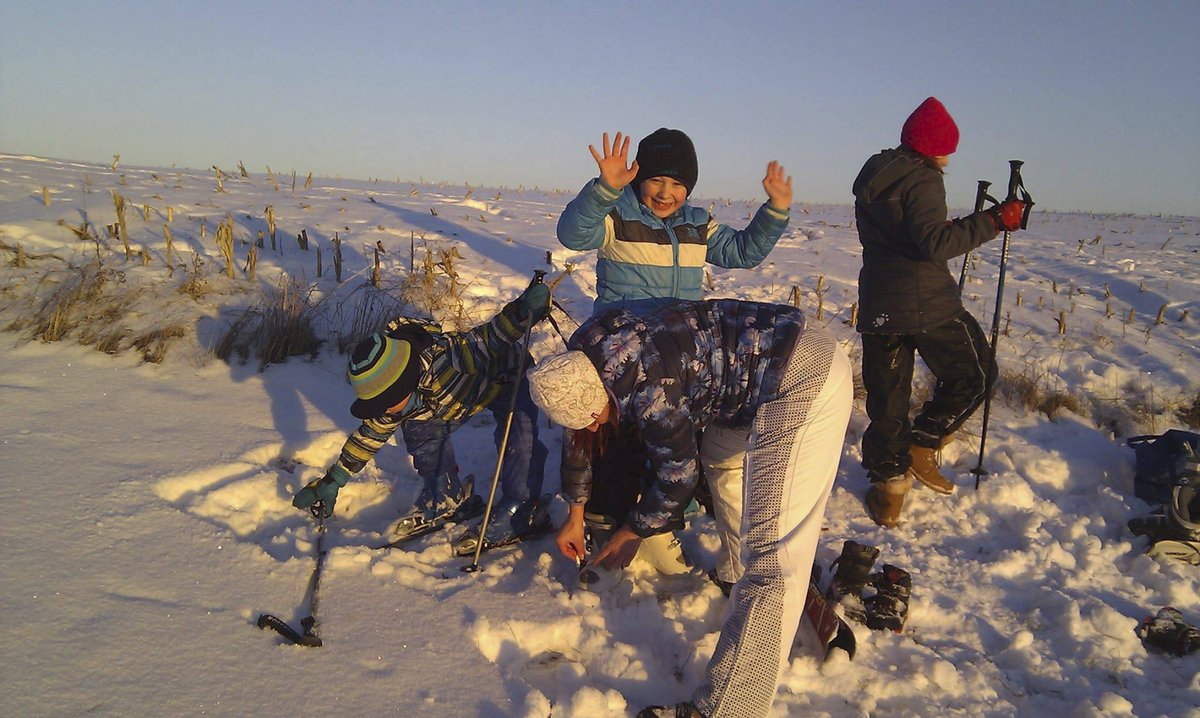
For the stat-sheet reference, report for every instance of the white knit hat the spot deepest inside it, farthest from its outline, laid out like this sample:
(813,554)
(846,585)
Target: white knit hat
(568,389)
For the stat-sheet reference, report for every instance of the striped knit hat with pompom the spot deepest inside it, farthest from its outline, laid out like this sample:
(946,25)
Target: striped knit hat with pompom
(383,372)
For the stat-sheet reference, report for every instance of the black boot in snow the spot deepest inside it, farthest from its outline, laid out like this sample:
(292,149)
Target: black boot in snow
(852,570)
(1167,631)
(680,710)
(888,608)
(725,586)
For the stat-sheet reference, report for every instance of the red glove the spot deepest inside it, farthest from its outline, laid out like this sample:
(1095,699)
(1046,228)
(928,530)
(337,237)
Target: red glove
(1007,215)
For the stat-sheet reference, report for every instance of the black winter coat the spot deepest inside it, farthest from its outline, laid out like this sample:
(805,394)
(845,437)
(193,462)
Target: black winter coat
(905,286)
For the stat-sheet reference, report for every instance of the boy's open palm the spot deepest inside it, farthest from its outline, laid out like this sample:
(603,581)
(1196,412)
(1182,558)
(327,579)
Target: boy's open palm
(614,170)
(778,186)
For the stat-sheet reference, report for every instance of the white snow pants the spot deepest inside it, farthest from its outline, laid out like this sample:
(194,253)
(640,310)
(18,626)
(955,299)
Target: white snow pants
(722,453)
(791,461)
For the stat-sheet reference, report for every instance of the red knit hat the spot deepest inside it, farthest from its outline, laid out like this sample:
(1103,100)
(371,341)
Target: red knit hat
(930,130)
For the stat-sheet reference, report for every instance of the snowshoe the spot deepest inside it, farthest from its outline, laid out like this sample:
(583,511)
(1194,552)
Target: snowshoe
(1153,526)
(597,579)
(821,628)
(1168,632)
(597,530)
(510,523)
(1186,551)
(1174,531)
(852,570)
(414,526)
(887,608)
(679,710)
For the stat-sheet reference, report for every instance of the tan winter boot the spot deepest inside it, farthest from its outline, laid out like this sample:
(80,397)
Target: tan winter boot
(885,500)
(925,469)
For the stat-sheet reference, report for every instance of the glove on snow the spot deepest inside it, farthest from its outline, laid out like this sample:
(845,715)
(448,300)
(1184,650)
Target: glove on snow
(1167,631)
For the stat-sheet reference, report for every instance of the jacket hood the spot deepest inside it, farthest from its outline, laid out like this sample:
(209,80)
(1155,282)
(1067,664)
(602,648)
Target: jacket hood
(882,171)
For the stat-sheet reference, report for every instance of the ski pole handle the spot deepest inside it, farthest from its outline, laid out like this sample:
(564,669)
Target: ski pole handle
(1014,179)
(981,194)
(1015,183)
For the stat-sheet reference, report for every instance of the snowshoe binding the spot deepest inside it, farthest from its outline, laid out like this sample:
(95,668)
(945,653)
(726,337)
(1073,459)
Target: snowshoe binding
(852,570)
(511,522)
(1186,551)
(598,529)
(1174,531)
(435,510)
(887,608)
(1168,632)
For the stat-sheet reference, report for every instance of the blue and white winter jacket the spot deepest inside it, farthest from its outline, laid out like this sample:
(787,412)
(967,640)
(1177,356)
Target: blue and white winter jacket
(645,262)
(674,372)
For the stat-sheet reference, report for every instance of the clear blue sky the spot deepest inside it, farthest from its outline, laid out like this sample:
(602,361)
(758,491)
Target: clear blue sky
(1101,99)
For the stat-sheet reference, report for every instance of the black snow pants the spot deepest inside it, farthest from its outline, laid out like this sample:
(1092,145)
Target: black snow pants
(957,355)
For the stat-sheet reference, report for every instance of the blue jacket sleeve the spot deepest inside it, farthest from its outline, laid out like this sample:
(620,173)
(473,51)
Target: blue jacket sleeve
(746,248)
(581,225)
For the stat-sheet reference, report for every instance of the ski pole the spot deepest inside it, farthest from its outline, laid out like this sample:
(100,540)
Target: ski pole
(309,624)
(1014,183)
(554,304)
(538,276)
(981,196)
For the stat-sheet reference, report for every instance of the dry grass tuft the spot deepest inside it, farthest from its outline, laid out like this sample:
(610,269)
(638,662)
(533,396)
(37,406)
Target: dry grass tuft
(1190,415)
(1028,389)
(279,327)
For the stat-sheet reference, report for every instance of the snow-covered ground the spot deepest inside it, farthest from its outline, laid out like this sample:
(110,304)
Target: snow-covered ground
(146,520)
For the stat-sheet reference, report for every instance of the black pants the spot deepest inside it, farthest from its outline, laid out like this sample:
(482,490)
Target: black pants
(957,354)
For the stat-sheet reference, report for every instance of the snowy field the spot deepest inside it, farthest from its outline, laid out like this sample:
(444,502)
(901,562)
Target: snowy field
(147,523)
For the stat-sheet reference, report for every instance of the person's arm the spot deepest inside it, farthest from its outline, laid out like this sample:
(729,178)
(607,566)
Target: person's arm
(361,446)
(581,225)
(358,449)
(576,487)
(666,425)
(735,249)
(477,350)
(925,220)
(569,537)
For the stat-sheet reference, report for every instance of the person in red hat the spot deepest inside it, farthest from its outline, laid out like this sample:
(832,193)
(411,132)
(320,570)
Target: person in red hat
(909,302)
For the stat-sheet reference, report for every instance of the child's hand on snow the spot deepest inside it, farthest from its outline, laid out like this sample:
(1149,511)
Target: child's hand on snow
(778,186)
(614,170)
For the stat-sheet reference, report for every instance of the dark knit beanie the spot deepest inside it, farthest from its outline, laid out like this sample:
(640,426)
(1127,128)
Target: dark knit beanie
(930,130)
(383,371)
(666,153)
